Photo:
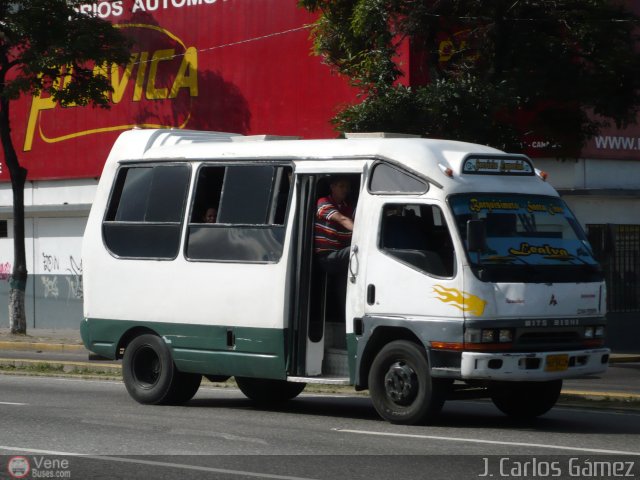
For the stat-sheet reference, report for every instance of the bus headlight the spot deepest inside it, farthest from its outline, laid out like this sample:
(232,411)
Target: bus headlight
(488,335)
(589,332)
(505,335)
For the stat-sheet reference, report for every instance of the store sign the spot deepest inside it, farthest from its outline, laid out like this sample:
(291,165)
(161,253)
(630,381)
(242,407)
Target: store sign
(220,65)
(157,76)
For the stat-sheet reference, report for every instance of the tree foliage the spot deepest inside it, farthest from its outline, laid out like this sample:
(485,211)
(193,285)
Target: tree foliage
(498,72)
(48,46)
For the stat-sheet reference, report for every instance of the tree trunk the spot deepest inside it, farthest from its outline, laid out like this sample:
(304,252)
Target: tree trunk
(18,174)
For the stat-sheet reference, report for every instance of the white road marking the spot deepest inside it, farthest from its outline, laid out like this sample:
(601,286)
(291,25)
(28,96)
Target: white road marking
(489,442)
(13,403)
(154,463)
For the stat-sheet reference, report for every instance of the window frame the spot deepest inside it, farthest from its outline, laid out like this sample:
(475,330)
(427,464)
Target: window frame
(386,250)
(400,169)
(279,229)
(117,189)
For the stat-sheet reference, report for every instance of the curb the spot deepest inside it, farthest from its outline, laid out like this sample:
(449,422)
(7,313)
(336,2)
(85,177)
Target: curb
(624,358)
(66,366)
(38,346)
(598,395)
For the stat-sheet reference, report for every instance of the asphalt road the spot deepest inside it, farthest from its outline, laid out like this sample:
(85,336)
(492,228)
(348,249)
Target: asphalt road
(220,434)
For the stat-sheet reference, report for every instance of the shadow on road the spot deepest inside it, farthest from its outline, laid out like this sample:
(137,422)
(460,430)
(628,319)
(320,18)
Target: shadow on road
(346,407)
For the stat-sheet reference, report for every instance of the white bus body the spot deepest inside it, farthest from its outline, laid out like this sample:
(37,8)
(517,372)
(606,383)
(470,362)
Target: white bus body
(467,273)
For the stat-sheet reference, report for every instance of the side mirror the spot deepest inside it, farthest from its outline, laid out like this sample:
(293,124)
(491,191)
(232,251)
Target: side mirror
(476,235)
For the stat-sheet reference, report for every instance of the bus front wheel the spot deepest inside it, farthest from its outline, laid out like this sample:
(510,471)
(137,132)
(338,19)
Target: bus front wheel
(401,387)
(150,375)
(525,399)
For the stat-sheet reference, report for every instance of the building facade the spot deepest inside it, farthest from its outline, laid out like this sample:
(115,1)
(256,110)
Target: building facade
(244,67)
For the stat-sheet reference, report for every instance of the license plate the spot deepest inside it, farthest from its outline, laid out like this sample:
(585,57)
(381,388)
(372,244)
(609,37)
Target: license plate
(556,363)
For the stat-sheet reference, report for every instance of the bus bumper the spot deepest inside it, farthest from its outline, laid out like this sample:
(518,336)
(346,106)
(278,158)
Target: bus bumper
(539,366)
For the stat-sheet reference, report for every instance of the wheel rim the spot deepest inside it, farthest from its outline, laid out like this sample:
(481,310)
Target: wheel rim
(401,383)
(146,367)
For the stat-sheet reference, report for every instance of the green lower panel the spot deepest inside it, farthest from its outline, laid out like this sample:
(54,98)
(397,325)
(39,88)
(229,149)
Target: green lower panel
(254,352)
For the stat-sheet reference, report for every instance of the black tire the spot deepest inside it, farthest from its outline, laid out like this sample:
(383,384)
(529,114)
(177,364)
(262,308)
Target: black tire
(184,387)
(401,387)
(150,375)
(267,391)
(525,399)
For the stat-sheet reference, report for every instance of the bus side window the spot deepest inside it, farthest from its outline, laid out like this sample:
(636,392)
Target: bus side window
(145,211)
(208,191)
(251,202)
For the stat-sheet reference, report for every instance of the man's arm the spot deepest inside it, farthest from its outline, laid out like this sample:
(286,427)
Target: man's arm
(343,220)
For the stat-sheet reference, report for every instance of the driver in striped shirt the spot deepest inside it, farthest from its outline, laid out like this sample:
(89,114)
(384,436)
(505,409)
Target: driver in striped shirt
(333,227)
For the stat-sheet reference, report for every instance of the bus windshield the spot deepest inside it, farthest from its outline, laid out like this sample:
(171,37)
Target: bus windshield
(531,230)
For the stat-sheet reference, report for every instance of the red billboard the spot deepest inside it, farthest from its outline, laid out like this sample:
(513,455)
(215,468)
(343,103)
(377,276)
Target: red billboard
(240,66)
(228,65)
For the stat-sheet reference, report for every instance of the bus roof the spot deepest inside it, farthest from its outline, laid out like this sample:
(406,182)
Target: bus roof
(441,162)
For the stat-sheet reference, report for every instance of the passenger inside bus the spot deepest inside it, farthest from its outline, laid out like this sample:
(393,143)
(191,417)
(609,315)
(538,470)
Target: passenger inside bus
(333,227)
(333,223)
(210,215)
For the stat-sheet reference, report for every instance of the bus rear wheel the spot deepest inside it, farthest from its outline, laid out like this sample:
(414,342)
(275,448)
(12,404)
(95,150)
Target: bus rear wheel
(525,399)
(263,390)
(401,387)
(150,375)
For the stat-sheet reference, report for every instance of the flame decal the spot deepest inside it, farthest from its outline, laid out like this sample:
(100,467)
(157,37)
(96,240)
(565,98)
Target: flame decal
(462,300)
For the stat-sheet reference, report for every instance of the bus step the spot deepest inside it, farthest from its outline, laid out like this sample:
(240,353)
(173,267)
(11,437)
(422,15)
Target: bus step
(335,363)
(321,380)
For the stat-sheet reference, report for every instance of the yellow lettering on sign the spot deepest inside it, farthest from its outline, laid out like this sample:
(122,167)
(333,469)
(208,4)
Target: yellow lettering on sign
(142,69)
(154,93)
(445,50)
(102,71)
(38,104)
(187,76)
(118,84)
(476,205)
(547,250)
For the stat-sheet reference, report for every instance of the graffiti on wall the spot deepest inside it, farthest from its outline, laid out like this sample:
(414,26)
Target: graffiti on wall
(50,285)
(50,263)
(5,271)
(71,272)
(75,279)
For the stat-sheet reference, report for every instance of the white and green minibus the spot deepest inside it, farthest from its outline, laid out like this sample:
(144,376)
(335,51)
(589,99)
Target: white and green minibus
(468,275)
